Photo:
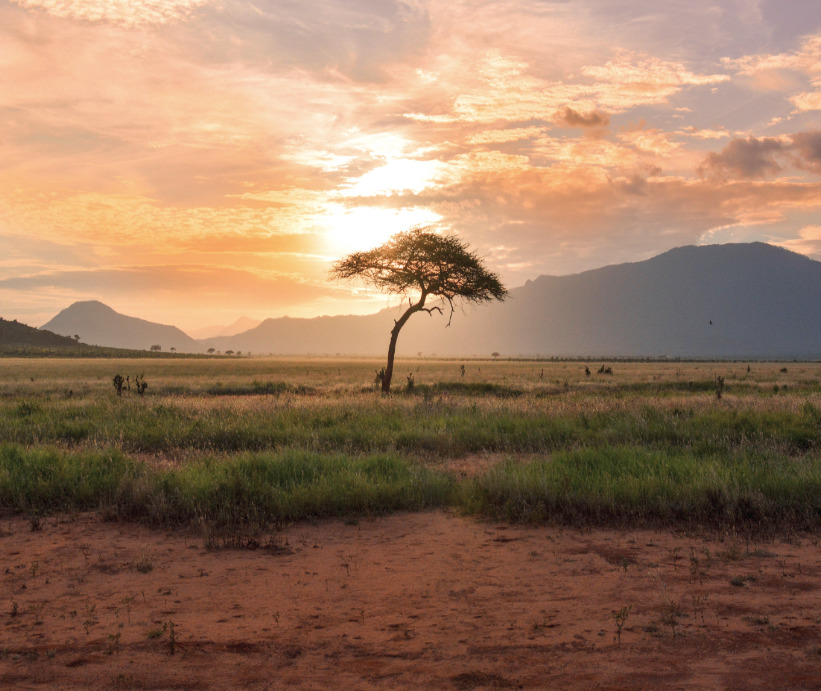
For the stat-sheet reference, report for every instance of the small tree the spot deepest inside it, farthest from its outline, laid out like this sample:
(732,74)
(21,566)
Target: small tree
(141,383)
(118,383)
(421,264)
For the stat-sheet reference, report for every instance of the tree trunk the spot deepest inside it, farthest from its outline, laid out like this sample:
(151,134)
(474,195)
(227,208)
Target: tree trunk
(397,327)
(386,380)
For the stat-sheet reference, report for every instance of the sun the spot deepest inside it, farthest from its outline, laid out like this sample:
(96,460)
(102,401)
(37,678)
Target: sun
(365,227)
(350,227)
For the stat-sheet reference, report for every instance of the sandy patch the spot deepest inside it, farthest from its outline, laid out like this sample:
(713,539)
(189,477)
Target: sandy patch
(422,600)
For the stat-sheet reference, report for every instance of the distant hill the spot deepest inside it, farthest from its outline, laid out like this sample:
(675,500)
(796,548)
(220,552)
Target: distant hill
(235,327)
(344,335)
(98,324)
(717,301)
(13,333)
(20,340)
(746,301)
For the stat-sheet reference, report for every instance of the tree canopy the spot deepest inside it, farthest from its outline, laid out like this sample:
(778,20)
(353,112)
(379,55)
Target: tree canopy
(421,262)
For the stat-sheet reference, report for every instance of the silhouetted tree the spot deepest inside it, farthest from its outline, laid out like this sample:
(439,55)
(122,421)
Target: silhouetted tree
(421,263)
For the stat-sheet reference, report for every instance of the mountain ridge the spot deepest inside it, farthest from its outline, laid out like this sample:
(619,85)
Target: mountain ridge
(14,333)
(237,326)
(98,324)
(743,300)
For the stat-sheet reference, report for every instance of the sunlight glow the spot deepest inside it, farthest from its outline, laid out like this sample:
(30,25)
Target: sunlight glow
(362,228)
(396,176)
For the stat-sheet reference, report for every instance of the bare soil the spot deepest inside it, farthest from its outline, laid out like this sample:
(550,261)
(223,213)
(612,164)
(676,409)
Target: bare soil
(421,600)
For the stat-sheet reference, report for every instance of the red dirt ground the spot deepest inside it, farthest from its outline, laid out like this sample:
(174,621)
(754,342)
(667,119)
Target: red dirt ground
(421,600)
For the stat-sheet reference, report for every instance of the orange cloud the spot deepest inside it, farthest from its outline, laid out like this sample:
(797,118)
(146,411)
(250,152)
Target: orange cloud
(126,12)
(632,79)
(779,71)
(758,157)
(808,242)
(573,118)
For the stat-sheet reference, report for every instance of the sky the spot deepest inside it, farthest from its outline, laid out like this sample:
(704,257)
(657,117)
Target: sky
(192,161)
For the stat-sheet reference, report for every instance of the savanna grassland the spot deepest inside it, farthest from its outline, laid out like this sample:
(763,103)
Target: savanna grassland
(255,442)
(261,523)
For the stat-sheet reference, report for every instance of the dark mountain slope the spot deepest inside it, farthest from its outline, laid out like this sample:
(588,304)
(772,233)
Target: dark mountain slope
(13,333)
(724,301)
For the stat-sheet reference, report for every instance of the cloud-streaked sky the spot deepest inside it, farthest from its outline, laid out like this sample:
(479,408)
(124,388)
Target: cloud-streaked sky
(190,161)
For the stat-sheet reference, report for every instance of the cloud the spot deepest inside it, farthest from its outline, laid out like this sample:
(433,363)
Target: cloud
(806,101)
(335,41)
(650,140)
(126,12)
(785,72)
(805,59)
(808,242)
(745,158)
(758,157)
(807,149)
(631,79)
(202,285)
(698,133)
(573,118)
(502,136)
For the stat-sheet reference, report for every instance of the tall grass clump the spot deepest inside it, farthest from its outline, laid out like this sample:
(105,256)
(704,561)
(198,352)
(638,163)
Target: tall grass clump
(246,489)
(751,490)
(45,480)
(266,488)
(443,426)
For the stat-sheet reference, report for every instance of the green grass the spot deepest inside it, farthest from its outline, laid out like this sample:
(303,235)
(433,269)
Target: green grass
(635,486)
(249,489)
(362,423)
(251,441)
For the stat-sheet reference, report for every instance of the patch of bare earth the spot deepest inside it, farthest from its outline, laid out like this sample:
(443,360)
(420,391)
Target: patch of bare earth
(421,600)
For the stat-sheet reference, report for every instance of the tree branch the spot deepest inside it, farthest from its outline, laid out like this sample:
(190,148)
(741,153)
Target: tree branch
(430,310)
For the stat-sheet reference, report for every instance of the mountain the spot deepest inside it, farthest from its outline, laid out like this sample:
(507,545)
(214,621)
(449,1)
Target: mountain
(745,301)
(343,335)
(98,324)
(717,301)
(13,333)
(235,327)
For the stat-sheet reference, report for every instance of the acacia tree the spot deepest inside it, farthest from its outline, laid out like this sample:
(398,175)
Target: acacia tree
(420,265)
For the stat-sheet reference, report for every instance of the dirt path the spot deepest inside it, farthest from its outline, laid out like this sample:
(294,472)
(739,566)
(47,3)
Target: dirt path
(422,600)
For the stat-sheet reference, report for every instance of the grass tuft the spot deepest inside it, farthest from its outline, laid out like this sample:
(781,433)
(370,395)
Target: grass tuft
(634,486)
(249,489)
